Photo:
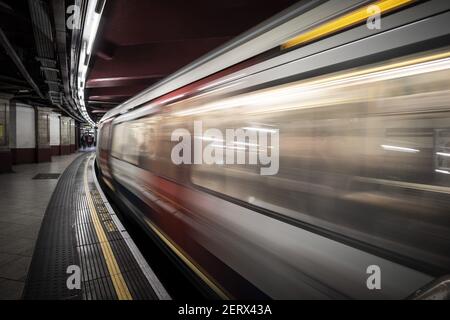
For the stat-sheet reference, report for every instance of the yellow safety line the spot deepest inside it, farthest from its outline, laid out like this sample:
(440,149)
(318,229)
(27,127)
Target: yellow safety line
(345,21)
(201,274)
(116,276)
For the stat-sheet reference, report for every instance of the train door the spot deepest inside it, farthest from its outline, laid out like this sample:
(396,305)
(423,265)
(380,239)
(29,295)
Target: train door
(103,152)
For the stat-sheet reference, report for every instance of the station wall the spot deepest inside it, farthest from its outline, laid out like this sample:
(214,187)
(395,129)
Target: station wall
(22,133)
(25,127)
(55,133)
(31,134)
(5,153)
(65,135)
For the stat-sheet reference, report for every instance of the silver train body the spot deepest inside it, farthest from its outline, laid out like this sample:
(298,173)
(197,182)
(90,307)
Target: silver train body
(363,184)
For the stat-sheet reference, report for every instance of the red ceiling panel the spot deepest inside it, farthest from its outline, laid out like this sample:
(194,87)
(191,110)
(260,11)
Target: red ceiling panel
(142,41)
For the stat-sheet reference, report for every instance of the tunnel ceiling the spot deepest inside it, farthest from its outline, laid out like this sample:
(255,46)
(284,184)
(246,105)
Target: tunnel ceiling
(31,60)
(140,42)
(15,23)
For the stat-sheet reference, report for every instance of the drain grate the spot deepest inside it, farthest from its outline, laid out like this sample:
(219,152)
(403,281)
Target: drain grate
(42,176)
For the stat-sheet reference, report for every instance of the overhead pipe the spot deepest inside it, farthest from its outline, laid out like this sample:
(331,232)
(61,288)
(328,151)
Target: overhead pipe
(13,55)
(43,35)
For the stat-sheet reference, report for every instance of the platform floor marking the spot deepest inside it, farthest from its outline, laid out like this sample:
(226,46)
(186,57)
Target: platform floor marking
(153,280)
(120,286)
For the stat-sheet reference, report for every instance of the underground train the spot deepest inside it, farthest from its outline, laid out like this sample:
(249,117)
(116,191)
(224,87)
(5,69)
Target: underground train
(308,158)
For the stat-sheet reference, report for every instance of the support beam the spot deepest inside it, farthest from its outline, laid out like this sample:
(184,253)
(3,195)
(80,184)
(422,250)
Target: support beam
(103,102)
(49,69)
(13,55)
(46,60)
(11,79)
(59,20)
(13,86)
(53,82)
(98,111)
(6,8)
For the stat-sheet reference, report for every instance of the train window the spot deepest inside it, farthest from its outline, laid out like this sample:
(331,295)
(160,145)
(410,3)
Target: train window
(129,149)
(138,149)
(118,141)
(442,148)
(146,143)
(134,142)
(104,137)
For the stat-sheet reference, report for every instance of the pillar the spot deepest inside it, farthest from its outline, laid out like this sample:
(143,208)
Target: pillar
(5,151)
(55,133)
(65,135)
(43,150)
(22,133)
(72,136)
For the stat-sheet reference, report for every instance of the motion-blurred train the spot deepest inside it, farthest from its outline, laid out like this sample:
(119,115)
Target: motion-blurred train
(359,92)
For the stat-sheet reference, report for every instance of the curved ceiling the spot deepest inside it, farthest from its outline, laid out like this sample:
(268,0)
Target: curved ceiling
(140,41)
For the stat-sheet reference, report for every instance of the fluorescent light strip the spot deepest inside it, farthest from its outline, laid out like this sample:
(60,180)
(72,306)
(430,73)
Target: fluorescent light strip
(93,32)
(209,139)
(246,144)
(444,154)
(260,129)
(228,147)
(234,142)
(92,21)
(400,149)
(442,171)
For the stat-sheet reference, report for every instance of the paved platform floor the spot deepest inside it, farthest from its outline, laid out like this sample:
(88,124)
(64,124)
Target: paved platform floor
(23,202)
(81,231)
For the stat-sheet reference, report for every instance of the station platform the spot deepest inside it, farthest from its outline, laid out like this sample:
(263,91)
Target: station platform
(82,250)
(24,196)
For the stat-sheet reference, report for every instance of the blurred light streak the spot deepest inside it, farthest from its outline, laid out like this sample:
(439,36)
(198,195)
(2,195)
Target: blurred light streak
(443,154)
(400,149)
(348,20)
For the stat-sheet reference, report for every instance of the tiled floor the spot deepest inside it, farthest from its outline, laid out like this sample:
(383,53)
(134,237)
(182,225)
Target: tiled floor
(22,206)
